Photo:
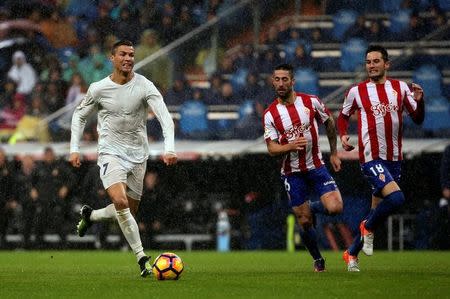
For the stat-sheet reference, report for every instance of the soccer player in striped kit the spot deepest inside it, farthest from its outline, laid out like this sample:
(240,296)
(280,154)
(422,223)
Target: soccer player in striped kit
(122,101)
(291,130)
(379,102)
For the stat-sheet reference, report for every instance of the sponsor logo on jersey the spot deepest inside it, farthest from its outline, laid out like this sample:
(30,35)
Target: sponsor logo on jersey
(297,131)
(382,109)
(382,177)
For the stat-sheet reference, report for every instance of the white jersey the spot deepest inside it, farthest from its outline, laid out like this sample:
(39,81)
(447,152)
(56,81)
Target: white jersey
(122,118)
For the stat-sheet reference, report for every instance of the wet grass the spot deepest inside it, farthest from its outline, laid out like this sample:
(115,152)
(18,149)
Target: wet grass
(113,274)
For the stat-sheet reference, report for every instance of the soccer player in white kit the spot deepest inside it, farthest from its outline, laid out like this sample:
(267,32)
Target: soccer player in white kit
(122,101)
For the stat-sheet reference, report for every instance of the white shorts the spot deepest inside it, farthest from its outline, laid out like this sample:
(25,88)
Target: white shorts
(114,170)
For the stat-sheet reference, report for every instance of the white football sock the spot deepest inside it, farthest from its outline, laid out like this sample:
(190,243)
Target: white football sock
(107,213)
(130,230)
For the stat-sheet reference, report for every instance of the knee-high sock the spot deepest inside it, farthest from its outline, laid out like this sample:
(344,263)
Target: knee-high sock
(356,246)
(107,213)
(317,207)
(130,230)
(310,240)
(388,206)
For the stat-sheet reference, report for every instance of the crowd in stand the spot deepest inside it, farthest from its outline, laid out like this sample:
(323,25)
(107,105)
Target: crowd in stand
(74,40)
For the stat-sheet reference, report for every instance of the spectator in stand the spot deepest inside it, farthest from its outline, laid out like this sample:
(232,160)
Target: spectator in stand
(358,30)
(252,87)
(268,61)
(95,195)
(227,95)
(23,185)
(180,91)
(317,36)
(10,116)
(215,85)
(103,24)
(226,68)
(168,32)
(99,69)
(50,64)
(127,26)
(6,194)
(22,73)
(301,59)
(54,98)
(37,107)
(59,31)
(272,39)
(377,32)
(154,209)
(7,93)
(158,70)
(246,58)
(149,15)
(72,67)
(416,29)
(52,183)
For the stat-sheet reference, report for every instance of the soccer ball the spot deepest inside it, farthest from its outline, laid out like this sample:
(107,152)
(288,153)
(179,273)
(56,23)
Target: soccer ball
(168,266)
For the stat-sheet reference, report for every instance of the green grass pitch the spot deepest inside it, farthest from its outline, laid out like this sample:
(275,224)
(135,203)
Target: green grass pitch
(207,274)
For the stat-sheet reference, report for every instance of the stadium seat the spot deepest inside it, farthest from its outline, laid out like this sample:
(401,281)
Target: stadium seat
(342,20)
(437,114)
(430,78)
(353,54)
(194,120)
(444,5)
(391,6)
(306,81)
(239,79)
(399,21)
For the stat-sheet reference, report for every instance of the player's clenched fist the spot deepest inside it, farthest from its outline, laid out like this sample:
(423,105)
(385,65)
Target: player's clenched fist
(74,159)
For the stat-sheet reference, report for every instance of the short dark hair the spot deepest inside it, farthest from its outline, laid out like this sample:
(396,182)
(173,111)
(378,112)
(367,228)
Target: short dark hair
(123,42)
(378,48)
(285,67)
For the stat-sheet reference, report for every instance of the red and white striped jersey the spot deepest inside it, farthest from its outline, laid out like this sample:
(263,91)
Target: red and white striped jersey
(380,108)
(284,123)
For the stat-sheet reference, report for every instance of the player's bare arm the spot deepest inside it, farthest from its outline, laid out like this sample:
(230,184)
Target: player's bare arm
(332,139)
(276,149)
(74,159)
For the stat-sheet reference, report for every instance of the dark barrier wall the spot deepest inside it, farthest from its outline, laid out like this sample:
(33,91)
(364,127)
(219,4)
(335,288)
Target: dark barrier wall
(189,195)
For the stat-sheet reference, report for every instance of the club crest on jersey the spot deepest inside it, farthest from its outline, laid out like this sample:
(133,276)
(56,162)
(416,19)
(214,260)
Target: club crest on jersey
(296,131)
(306,109)
(394,92)
(382,177)
(382,109)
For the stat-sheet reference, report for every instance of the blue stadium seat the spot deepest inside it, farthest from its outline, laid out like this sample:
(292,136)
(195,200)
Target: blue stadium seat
(399,21)
(444,5)
(342,20)
(306,81)
(194,120)
(437,114)
(391,6)
(353,54)
(430,78)
(239,79)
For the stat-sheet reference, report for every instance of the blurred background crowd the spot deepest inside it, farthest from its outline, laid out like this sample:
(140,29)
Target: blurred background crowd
(212,61)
